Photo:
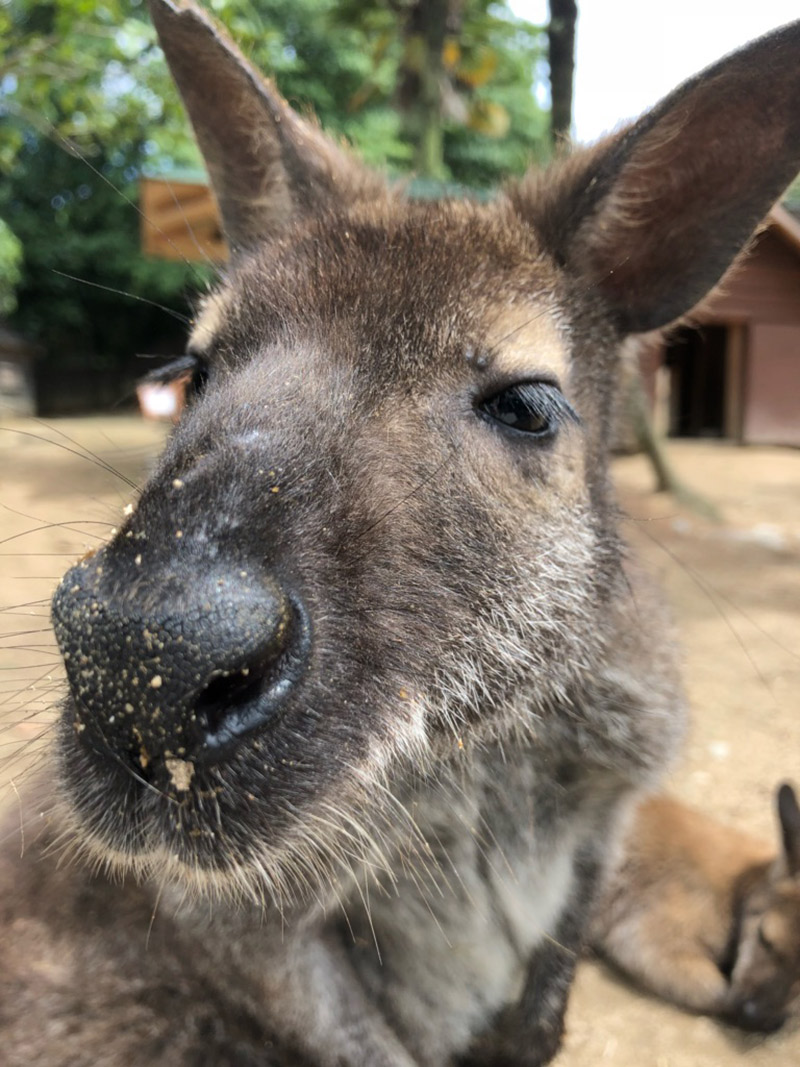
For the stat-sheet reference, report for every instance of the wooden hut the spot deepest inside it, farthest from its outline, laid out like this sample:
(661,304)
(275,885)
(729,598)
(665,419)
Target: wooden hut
(735,373)
(180,219)
(17,357)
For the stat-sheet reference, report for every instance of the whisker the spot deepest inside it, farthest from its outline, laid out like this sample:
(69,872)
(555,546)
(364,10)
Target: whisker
(41,602)
(69,146)
(712,597)
(47,524)
(122,292)
(98,462)
(28,666)
(189,228)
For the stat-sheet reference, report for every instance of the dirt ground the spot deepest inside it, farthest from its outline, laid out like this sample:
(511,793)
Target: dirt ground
(734,586)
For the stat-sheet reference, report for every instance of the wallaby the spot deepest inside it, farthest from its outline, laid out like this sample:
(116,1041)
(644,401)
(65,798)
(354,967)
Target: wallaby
(361,689)
(706,916)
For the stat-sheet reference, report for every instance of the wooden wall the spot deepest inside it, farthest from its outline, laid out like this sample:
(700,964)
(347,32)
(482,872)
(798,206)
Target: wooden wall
(772,385)
(765,288)
(759,303)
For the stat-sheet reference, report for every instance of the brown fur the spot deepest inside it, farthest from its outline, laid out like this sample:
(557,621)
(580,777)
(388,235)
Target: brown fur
(362,687)
(705,916)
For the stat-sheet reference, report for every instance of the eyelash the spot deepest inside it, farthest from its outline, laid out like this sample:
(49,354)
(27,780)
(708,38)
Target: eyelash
(532,409)
(190,367)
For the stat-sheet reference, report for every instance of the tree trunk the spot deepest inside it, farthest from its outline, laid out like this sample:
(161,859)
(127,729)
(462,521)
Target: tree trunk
(422,75)
(561,55)
(667,481)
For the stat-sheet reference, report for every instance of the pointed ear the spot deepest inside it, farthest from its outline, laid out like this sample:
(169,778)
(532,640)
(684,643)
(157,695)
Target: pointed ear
(652,217)
(266,164)
(789,816)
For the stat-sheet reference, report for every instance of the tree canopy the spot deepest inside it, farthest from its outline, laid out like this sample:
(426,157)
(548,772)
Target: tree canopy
(87,107)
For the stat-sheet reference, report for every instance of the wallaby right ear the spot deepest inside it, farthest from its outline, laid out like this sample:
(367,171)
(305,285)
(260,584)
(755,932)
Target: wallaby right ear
(266,164)
(789,815)
(649,220)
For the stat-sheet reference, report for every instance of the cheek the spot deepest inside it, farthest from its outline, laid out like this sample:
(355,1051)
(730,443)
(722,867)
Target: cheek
(521,479)
(556,481)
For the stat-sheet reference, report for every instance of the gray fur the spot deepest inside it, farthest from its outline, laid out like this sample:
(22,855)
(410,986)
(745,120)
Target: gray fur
(397,868)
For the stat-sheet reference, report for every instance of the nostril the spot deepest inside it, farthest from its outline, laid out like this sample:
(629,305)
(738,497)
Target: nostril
(224,694)
(243,698)
(231,704)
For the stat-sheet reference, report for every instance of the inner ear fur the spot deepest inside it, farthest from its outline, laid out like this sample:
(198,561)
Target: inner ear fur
(652,217)
(267,165)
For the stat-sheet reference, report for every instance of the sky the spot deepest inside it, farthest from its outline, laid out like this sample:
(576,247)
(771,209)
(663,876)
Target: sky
(630,53)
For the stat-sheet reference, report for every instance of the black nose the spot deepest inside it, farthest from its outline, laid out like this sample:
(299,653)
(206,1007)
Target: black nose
(175,666)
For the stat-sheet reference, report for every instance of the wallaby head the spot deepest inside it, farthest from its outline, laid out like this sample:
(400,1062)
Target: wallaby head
(765,980)
(382,537)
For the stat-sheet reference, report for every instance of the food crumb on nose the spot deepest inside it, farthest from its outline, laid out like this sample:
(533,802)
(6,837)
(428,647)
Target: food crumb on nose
(181,773)
(155,681)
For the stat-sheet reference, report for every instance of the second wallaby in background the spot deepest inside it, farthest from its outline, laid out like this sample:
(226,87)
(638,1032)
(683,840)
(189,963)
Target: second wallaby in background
(363,685)
(705,916)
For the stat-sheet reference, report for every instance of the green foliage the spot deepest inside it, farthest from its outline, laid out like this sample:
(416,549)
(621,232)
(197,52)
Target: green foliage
(320,63)
(86,107)
(87,229)
(483,161)
(67,71)
(792,198)
(77,128)
(10,273)
(493,126)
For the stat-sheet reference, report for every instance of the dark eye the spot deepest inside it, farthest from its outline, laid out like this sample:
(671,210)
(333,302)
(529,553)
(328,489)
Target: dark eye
(533,408)
(199,379)
(192,369)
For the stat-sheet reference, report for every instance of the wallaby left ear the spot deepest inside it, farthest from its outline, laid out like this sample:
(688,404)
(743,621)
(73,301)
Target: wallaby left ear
(652,218)
(789,815)
(267,165)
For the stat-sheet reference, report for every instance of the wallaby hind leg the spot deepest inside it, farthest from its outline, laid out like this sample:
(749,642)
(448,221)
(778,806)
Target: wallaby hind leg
(705,916)
(672,967)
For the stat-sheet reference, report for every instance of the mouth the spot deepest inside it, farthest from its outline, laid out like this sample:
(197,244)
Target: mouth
(258,826)
(130,808)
